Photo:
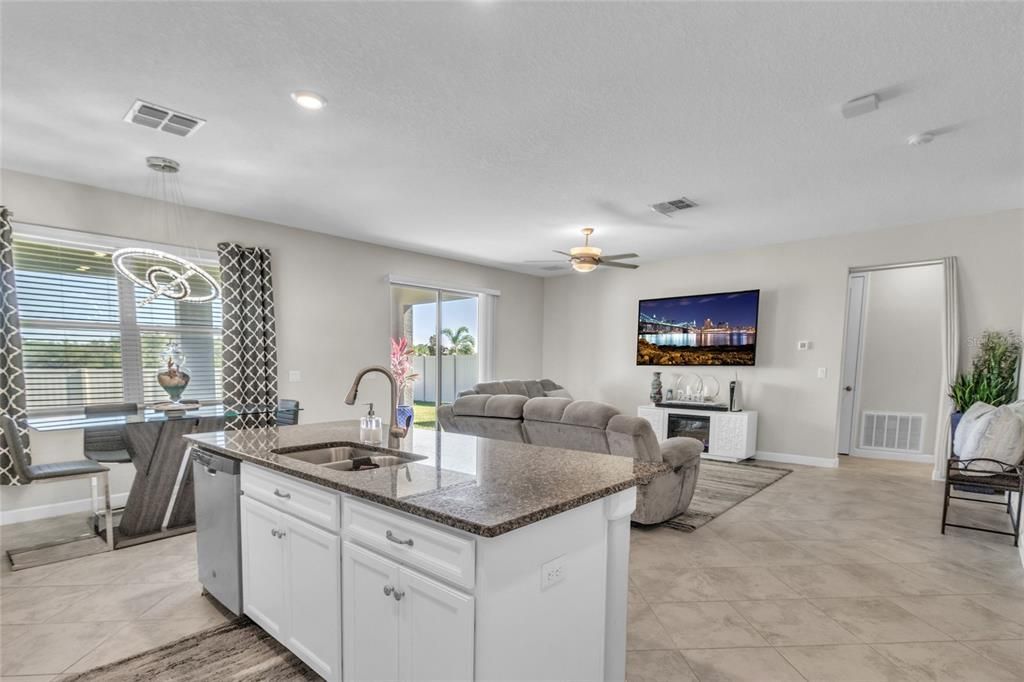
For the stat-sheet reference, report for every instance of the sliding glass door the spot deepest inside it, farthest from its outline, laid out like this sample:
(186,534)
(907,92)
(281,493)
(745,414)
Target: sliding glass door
(442,327)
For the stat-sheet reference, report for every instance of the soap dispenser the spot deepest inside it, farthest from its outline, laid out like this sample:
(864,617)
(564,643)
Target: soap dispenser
(371,429)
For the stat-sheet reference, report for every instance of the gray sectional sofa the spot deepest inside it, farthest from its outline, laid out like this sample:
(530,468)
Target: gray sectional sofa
(531,412)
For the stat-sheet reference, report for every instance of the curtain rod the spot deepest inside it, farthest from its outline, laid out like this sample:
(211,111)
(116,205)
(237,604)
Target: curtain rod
(425,284)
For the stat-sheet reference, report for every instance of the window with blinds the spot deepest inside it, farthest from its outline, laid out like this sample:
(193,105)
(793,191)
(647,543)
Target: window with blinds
(86,341)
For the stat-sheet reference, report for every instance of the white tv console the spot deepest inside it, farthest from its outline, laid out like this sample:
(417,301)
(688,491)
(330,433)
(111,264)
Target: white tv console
(732,436)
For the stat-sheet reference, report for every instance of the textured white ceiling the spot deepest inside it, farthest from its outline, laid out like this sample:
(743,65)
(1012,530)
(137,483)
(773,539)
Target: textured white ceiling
(491,131)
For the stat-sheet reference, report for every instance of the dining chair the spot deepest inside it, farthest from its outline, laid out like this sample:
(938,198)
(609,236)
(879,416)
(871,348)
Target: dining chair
(51,473)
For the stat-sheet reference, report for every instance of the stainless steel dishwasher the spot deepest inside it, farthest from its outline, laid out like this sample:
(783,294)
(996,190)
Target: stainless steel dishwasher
(218,527)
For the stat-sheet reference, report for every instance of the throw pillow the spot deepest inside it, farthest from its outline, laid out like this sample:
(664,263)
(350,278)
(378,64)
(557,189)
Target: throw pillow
(1002,440)
(558,393)
(971,429)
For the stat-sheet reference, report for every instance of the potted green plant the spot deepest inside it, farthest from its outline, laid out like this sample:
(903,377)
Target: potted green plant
(993,375)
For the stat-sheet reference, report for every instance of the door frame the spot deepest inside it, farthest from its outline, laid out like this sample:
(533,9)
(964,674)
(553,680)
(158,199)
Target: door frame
(939,457)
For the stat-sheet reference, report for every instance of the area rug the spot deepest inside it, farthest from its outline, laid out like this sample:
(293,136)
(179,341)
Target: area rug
(720,487)
(239,650)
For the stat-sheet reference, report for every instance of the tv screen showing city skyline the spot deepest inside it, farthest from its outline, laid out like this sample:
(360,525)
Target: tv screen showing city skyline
(707,329)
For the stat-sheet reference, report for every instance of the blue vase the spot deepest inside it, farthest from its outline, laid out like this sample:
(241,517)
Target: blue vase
(405,413)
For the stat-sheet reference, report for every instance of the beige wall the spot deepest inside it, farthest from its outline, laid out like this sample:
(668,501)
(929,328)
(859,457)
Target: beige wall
(332,297)
(902,346)
(590,320)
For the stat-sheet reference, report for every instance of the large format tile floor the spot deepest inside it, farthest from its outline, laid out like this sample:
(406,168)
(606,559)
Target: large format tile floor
(826,575)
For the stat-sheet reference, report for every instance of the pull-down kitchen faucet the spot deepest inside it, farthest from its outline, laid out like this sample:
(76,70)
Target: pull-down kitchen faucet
(396,432)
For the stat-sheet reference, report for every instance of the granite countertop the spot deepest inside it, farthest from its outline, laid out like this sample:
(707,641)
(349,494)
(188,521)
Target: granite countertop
(482,486)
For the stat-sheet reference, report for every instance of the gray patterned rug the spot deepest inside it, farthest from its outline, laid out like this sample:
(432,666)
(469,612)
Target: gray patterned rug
(233,652)
(720,487)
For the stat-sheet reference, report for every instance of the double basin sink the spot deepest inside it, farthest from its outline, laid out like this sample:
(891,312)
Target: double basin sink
(347,456)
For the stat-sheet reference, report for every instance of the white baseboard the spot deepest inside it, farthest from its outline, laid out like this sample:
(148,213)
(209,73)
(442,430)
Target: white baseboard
(805,460)
(45,511)
(894,455)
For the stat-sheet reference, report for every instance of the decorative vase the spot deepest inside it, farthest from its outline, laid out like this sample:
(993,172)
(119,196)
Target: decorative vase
(656,388)
(405,414)
(174,377)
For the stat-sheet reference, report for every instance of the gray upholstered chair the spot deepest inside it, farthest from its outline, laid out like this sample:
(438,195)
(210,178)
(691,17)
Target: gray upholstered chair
(666,472)
(53,472)
(287,412)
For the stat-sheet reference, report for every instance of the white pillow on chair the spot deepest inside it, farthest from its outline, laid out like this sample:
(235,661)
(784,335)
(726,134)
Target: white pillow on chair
(970,430)
(1001,439)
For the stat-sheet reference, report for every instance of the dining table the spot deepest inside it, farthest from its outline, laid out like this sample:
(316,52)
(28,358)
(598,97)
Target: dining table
(161,501)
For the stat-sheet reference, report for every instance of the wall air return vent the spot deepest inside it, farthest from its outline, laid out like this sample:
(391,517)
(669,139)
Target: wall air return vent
(892,431)
(674,206)
(163,118)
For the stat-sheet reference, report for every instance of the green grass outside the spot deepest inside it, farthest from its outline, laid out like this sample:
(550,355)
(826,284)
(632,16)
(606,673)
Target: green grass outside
(424,415)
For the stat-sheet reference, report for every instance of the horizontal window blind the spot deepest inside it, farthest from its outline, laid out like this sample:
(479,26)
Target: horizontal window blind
(87,341)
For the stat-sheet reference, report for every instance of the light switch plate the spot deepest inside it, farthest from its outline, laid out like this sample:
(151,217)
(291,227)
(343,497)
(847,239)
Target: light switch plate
(294,376)
(552,572)
(823,372)
(803,345)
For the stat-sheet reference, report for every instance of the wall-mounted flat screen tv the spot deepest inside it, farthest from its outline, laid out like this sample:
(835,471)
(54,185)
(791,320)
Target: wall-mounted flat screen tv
(711,329)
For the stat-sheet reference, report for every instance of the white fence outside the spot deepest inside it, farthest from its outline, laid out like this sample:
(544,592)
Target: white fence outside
(458,372)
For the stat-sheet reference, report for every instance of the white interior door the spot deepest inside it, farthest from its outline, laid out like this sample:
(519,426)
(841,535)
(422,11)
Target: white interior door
(851,362)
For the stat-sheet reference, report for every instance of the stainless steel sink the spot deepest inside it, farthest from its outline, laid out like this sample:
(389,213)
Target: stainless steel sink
(348,457)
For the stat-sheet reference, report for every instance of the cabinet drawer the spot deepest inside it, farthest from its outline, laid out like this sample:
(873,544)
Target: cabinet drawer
(309,502)
(412,542)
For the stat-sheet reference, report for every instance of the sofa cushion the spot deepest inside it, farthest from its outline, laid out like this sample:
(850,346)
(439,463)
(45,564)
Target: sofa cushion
(545,409)
(588,413)
(509,406)
(1002,440)
(471,405)
(558,393)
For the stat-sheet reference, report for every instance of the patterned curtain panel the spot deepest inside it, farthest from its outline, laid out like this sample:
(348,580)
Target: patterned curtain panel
(12,376)
(250,337)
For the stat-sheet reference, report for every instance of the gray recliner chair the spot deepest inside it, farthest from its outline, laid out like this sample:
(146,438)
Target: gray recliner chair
(666,472)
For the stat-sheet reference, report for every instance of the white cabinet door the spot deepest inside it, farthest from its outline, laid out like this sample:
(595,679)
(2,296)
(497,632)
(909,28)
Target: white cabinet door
(263,566)
(370,617)
(435,635)
(313,596)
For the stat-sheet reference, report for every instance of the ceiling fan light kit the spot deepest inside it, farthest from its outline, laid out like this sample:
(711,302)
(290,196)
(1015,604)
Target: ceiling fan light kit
(586,258)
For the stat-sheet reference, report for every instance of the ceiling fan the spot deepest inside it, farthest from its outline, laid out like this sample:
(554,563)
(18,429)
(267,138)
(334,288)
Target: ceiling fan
(586,258)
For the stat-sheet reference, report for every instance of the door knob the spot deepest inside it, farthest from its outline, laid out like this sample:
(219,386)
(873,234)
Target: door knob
(388,589)
(398,595)
(847,388)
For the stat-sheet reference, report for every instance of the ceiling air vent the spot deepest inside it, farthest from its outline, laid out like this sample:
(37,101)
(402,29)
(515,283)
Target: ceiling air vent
(674,206)
(162,118)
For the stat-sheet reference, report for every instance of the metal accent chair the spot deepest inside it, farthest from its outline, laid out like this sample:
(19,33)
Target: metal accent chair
(287,412)
(1008,478)
(53,472)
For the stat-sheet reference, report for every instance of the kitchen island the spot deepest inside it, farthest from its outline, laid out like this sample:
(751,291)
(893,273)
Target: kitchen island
(450,557)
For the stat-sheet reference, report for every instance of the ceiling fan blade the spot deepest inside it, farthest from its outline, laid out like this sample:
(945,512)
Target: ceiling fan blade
(620,256)
(564,253)
(550,260)
(615,264)
(552,268)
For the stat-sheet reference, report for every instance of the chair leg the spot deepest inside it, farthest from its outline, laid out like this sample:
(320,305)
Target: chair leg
(95,496)
(945,507)
(108,513)
(1016,528)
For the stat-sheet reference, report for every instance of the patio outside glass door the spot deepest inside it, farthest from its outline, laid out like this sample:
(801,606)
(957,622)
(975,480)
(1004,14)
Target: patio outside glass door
(442,328)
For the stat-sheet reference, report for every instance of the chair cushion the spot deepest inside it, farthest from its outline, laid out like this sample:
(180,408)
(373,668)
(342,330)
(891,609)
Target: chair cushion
(471,405)
(558,393)
(1002,439)
(61,469)
(109,456)
(507,406)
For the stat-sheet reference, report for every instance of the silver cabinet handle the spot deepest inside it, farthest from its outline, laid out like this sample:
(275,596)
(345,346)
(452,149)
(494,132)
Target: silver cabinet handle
(391,536)
(273,531)
(398,595)
(281,534)
(283,496)
(211,471)
(388,589)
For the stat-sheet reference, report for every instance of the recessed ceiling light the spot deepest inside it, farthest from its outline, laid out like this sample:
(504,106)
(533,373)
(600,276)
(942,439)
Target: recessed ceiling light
(307,99)
(920,138)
